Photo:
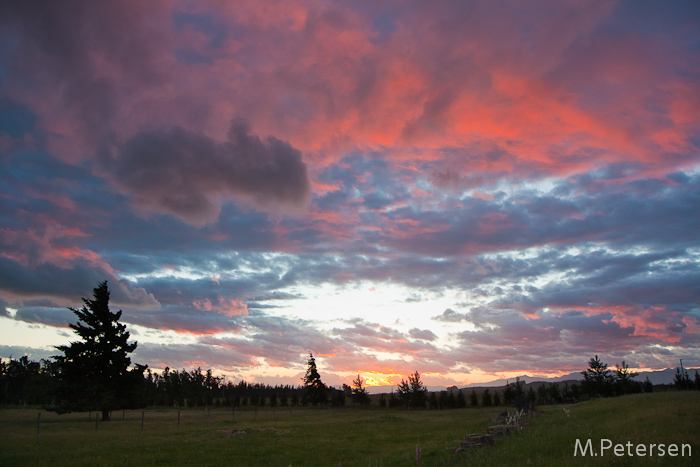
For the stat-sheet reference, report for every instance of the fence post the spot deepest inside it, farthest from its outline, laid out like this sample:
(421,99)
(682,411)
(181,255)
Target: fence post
(38,424)
(178,418)
(96,417)
(143,415)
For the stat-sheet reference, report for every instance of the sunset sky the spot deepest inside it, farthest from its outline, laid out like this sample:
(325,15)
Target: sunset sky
(468,189)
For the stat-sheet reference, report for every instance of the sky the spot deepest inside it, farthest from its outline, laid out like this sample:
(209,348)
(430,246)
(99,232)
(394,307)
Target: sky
(473,190)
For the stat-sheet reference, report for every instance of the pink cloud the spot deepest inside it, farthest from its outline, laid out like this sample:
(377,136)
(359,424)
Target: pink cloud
(314,75)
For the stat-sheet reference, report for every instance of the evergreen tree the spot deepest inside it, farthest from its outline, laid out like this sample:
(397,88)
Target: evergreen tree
(413,392)
(25,381)
(576,391)
(337,397)
(433,401)
(418,390)
(682,380)
(508,393)
(359,394)
(405,392)
(461,400)
(347,390)
(566,393)
(513,393)
(486,398)
(553,392)
(473,399)
(531,395)
(393,400)
(597,379)
(93,373)
(451,400)
(314,389)
(443,400)
(496,398)
(624,382)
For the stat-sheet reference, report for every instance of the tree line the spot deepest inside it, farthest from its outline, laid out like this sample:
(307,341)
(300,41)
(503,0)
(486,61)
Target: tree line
(23,381)
(95,374)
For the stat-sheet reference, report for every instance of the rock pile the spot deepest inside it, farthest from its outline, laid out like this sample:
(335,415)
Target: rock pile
(233,432)
(499,430)
(505,424)
(475,441)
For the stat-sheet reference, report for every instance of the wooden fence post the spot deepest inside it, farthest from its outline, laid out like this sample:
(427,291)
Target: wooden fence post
(143,415)
(38,424)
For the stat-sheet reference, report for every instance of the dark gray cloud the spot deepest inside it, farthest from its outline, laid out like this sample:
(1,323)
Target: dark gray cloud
(50,54)
(422,334)
(68,282)
(188,174)
(450,316)
(59,317)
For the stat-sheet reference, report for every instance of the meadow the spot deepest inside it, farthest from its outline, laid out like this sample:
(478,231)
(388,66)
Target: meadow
(350,437)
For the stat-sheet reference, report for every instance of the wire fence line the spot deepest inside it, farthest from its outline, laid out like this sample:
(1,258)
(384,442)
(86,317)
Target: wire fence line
(145,419)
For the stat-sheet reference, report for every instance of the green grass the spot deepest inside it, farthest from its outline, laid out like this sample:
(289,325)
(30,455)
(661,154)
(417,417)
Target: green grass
(351,437)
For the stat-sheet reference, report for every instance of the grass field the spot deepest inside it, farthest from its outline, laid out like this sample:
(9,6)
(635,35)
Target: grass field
(351,437)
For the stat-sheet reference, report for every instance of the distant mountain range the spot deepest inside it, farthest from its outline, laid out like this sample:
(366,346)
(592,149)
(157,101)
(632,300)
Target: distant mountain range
(656,377)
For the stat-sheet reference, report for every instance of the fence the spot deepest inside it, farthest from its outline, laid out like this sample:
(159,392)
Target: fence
(173,417)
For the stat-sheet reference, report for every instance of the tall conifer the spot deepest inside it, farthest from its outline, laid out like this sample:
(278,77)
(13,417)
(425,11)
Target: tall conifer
(93,373)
